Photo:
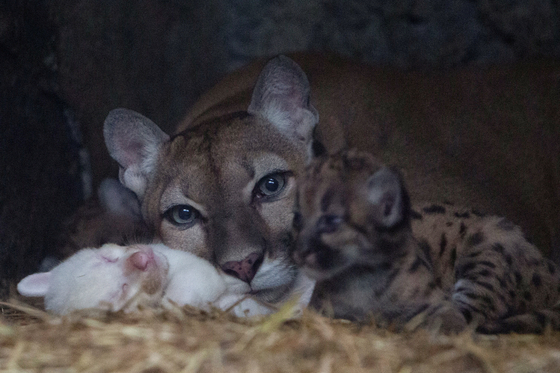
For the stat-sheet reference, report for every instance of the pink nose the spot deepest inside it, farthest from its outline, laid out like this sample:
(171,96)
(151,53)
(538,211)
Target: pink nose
(246,269)
(142,259)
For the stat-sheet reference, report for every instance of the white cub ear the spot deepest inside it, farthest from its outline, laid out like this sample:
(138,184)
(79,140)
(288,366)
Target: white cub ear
(134,142)
(281,95)
(35,285)
(385,192)
(118,200)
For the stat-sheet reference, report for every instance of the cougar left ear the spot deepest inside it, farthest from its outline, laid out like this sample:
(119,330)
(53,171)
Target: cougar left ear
(134,142)
(281,95)
(386,193)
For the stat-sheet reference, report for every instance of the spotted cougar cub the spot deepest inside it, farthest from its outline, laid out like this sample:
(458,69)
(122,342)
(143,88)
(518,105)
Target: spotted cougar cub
(372,255)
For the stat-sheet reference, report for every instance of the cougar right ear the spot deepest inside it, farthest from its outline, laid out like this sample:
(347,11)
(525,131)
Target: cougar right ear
(281,95)
(134,142)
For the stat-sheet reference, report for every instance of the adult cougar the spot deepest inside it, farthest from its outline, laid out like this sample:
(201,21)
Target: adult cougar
(223,186)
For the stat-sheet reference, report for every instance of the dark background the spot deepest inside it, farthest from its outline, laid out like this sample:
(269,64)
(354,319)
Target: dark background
(65,63)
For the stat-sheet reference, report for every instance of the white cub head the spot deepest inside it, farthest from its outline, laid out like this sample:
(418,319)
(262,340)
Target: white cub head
(112,277)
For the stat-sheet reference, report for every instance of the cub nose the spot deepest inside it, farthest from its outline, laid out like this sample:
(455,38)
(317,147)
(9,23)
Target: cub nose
(246,269)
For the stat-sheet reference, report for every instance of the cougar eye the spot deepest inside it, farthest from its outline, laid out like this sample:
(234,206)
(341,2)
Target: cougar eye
(270,185)
(182,215)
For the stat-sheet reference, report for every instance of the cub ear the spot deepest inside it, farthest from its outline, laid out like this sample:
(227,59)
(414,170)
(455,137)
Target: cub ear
(118,200)
(134,142)
(281,95)
(387,194)
(35,285)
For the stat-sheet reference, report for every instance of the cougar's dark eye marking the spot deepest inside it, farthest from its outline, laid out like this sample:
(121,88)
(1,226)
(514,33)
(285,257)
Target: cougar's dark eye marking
(270,186)
(182,215)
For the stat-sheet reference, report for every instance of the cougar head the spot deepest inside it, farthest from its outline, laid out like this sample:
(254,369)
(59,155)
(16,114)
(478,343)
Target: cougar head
(225,188)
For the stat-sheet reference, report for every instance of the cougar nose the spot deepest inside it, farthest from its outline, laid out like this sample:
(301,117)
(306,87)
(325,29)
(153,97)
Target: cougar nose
(246,269)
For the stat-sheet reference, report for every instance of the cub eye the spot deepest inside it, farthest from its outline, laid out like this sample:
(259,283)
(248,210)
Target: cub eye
(329,223)
(270,185)
(108,259)
(182,215)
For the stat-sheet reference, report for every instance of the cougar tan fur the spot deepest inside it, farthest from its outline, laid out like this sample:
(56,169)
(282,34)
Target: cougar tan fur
(223,186)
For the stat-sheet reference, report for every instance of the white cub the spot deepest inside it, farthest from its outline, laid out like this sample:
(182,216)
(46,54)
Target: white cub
(125,277)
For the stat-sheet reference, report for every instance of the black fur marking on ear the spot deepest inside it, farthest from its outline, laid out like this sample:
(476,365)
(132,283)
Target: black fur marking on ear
(318,148)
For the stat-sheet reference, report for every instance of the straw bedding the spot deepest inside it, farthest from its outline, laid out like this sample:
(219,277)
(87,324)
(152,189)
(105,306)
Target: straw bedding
(190,340)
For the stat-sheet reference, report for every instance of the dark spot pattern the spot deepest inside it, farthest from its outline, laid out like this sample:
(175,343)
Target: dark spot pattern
(474,239)
(475,254)
(485,285)
(518,278)
(462,230)
(415,215)
(484,273)
(453,256)
(442,244)
(487,264)
(536,280)
(434,209)
(468,315)
(499,248)
(509,259)
(464,269)
(502,282)
(462,215)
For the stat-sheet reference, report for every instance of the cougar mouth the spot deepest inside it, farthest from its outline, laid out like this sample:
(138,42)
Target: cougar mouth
(274,281)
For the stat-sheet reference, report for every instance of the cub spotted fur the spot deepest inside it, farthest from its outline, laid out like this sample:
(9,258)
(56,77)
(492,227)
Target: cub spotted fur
(373,255)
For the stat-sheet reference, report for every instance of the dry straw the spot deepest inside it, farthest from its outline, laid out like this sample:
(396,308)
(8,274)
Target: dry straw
(189,340)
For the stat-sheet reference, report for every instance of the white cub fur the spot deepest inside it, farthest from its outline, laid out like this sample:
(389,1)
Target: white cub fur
(127,277)
(124,278)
